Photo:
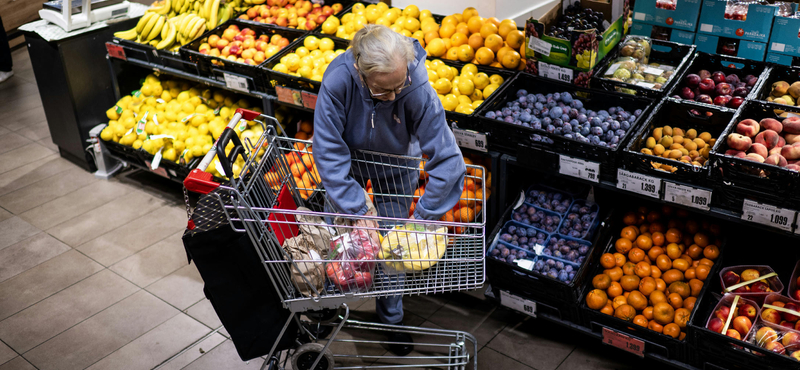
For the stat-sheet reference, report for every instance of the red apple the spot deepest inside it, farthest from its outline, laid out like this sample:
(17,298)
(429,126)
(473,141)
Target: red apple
(742,289)
(771,315)
(321,19)
(776,347)
(786,324)
(790,317)
(716,325)
(722,313)
(759,287)
(730,278)
(747,310)
(742,325)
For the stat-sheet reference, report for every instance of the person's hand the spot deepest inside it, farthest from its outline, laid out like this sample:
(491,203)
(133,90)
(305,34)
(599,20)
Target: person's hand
(412,217)
(368,226)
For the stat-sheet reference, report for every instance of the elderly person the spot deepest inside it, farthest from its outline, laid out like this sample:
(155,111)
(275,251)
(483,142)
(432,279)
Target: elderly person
(376,97)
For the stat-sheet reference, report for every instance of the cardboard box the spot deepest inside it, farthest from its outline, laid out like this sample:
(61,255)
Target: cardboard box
(785,37)
(612,9)
(678,14)
(782,59)
(753,24)
(559,52)
(662,33)
(747,49)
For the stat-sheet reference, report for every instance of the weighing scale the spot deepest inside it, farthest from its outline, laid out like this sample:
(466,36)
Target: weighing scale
(82,13)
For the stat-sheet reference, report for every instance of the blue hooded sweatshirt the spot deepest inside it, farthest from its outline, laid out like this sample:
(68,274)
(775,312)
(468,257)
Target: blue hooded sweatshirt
(347,119)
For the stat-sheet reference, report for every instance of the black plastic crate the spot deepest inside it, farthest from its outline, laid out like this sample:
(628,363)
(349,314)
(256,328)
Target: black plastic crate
(656,344)
(776,73)
(663,52)
(553,297)
(278,80)
(215,67)
(346,5)
(727,64)
(750,175)
(519,141)
(159,58)
(676,114)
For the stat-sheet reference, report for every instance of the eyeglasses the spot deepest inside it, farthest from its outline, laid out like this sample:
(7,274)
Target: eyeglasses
(378,95)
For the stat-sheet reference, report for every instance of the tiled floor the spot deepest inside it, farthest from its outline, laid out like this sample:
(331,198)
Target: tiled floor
(93,273)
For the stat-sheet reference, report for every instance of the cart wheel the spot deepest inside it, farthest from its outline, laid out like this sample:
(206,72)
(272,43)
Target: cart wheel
(306,354)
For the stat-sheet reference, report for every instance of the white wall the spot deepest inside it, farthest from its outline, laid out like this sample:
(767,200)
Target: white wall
(519,10)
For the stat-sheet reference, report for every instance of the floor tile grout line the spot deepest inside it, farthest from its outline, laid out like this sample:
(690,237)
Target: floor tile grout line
(565,358)
(26,163)
(513,359)
(12,348)
(27,239)
(61,196)
(66,168)
(187,348)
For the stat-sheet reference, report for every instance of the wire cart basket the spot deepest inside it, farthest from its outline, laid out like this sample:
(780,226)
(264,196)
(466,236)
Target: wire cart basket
(275,195)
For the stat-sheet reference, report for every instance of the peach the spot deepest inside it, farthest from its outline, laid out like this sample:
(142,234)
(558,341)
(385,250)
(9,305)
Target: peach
(716,325)
(788,316)
(765,335)
(739,142)
(759,149)
(252,12)
(747,310)
(768,138)
(222,43)
(775,347)
(771,124)
(792,125)
(213,40)
(776,160)
(754,157)
(780,88)
(742,325)
(733,334)
(781,142)
(735,153)
(750,274)
(794,90)
(795,355)
(771,315)
(723,312)
(792,152)
(748,127)
(229,34)
(791,138)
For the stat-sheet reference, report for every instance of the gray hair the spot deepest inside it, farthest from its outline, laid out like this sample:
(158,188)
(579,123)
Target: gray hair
(378,49)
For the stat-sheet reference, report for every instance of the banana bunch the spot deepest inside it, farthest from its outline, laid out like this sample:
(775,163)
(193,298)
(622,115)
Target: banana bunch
(190,26)
(215,12)
(151,26)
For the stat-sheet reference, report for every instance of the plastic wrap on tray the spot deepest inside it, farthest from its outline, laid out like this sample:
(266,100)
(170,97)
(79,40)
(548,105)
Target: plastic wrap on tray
(352,263)
(793,290)
(733,278)
(777,328)
(413,247)
(741,322)
(628,70)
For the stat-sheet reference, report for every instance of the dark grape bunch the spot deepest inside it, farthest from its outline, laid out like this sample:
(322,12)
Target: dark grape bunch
(530,27)
(578,19)
(583,78)
(537,218)
(531,67)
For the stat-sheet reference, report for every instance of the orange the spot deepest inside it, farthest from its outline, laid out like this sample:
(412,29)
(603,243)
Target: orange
(681,288)
(663,313)
(654,252)
(467,198)
(643,228)
(640,320)
(625,312)
(661,285)
(701,240)
(688,303)
(596,299)
(682,317)
(308,160)
(465,53)
(647,285)
(469,13)
(711,252)
(657,237)
(619,300)
(506,26)
(690,273)
(614,290)
(696,286)
(298,170)
(648,312)
(692,227)
(628,268)
(448,216)
(644,242)
(430,36)
(488,29)
(636,255)
(615,273)
(654,326)
(474,24)
(680,264)
(301,135)
(629,282)
(309,179)
(458,39)
(642,269)
(702,271)
(462,28)
(607,260)
(657,297)
(694,251)
(663,262)
(465,215)
(707,262)
(601,281)
(674,251)
(673,275)
(623,245)
(476,41)
(637,300)
(657,227)
(672,329)
(674,235)
(608,309)
(630,233)
(655,272)
(511,59)
(447,30)
(515,39)
(675,300)
(449,20)
(620,259)
(495,43)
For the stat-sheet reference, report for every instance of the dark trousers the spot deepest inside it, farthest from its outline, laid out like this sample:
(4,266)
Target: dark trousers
(5,50)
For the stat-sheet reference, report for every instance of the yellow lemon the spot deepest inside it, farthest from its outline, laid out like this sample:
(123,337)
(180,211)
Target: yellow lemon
(311,43)
(325,44)
(411,24)
(432,76)
(481,80)
(450,102)
(436,48)
(442,86)
(476,95)
(469,67)
(465,108)
(305,71)
(280,67)
(302,51)
(488,90)
(183,96)
(445,72)
(496,79)
(411,11)
(465,86)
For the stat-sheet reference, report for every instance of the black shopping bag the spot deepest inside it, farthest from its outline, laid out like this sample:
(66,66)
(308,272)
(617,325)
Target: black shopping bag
(236,283)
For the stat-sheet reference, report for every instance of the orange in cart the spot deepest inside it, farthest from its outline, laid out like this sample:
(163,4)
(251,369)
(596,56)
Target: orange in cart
(298,170)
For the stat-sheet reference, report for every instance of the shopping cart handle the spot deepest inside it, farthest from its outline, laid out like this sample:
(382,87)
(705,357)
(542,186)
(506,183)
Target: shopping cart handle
(247,114)
(199,182)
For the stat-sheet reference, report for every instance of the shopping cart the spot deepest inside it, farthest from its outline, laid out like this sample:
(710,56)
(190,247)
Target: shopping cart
(268,179)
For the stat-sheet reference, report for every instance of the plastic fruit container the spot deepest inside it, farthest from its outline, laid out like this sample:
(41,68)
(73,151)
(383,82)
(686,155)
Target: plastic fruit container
(793,292)
(727,300)
(773,282)
(785,319)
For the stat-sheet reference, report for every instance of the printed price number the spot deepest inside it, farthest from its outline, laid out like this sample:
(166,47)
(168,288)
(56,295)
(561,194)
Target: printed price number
(623,342)
(579,168)
(234,82)
(638,183)
(687,195)
(769,215)
(555,72)
(470,139)
(116,51)
(517,303)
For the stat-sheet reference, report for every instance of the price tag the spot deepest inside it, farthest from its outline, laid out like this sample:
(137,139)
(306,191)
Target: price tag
(141,124)
(653,71)
(645,84)
(156,160)
(234,82)
(579,168)
(309,100)
(289,96)
(539,46)
(638,183)
(623,342)
(470,139)
(115,51)
(769,215)
(555,72)
(687,195)
(520,304)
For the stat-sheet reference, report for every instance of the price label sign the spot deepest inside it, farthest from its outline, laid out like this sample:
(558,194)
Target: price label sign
(687,195)
(517,303)
(623,342)
(235,82)
(470,139)
(539,46)
(309,100)
(769,215)
(555,72)
(289,96)
(579,168)
(116,51)
(638,183)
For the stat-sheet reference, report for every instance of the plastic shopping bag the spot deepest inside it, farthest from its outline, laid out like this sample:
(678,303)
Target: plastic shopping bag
(352,263)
